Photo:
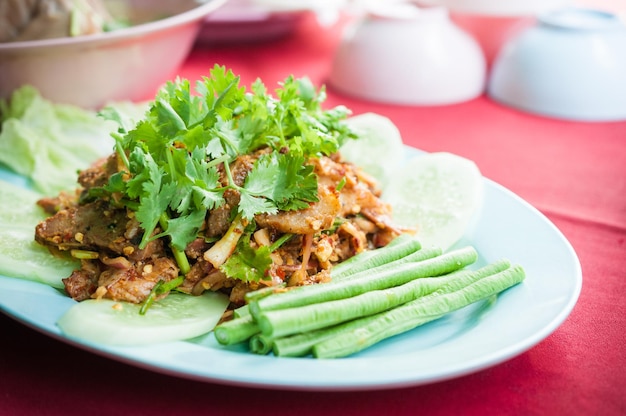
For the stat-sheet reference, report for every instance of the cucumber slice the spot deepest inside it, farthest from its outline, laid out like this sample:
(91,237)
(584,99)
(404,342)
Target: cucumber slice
(176,317)
(22,257)
(439,194)
(18,206)
(379,147)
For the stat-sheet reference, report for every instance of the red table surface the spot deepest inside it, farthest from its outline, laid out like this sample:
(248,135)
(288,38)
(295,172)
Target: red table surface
(575,173)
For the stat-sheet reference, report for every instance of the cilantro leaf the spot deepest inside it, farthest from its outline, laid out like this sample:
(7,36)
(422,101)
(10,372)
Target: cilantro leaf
(221,92)
(183,229)
(296,185)
(251,205)
(248,264)
(152,205)
(284,179)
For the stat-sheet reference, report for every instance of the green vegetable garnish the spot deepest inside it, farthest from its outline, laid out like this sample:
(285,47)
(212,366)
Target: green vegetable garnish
(159,289)
(301,309)
(47,142)
(237,330)
(402,247)
(433,265)
(246,263)
(389,322)
(172,156)
(366,307)
(417,312)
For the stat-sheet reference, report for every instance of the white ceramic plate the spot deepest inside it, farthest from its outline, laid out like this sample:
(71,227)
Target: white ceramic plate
(466,341)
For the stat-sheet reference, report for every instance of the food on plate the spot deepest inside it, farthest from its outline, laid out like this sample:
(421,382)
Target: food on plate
(343,317)
(459,292)
(23,20)
(236,210)
(232,191)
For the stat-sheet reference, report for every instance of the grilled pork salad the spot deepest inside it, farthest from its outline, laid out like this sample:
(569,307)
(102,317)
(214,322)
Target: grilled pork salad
(222,190)
(234,213)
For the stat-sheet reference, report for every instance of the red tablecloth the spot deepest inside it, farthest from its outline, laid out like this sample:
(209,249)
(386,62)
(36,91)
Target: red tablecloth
(575,173)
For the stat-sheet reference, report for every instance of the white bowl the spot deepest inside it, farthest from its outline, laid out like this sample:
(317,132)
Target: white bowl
(407,55)
(124,64)
(570,65)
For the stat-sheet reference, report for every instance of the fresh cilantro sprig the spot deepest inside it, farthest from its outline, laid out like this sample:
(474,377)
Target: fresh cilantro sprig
(248,264)
(172,156)
(278,182)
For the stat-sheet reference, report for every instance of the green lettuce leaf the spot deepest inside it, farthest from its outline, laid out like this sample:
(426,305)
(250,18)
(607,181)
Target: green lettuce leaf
(48,142)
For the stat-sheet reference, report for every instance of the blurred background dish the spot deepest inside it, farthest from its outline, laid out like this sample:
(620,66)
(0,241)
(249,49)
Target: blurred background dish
(571,65)
(252,21)
(128,63)
(242,21)
(23,20)
(403,54)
